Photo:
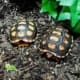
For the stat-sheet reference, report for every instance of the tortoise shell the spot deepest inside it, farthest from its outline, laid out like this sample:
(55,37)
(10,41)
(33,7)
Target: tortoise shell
(56,42)
(23,33)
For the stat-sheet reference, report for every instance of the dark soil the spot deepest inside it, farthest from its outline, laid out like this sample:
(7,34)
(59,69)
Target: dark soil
(28,60)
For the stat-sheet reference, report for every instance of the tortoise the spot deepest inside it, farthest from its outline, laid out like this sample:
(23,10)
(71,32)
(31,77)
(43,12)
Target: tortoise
(23,33)
(56,42)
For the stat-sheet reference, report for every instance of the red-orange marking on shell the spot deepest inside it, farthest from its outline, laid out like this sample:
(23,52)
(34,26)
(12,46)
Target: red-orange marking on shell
(51,46)
(61,47)
(54,38)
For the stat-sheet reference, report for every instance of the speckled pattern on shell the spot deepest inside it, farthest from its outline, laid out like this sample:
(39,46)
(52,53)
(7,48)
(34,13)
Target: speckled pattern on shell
(56,42)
